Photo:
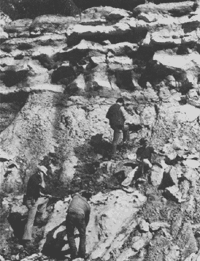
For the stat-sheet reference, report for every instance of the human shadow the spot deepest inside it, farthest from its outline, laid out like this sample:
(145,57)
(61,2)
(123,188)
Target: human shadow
(17,221)
(54,245)
(100,146)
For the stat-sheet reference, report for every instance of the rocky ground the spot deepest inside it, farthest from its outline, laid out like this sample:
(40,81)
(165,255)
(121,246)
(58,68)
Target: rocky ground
(58,76)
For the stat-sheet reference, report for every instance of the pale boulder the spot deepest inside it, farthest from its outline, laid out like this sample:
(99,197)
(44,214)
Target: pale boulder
(156,175)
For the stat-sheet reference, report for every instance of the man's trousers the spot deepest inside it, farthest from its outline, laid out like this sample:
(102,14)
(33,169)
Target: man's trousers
(75,220)
(116,135)
(34,206)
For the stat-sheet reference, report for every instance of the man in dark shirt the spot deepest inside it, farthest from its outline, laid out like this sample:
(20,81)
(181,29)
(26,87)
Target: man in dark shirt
(144,154)
(36,200)
(78,215)
(117,116)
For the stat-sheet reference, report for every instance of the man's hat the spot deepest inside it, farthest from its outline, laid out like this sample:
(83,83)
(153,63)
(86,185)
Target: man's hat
(120,100)
(143,140)
(86,194)
(43,169)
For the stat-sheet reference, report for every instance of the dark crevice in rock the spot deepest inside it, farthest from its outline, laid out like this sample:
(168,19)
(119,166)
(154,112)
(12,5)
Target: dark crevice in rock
(166,182)
(24,46)
(182,49)
(124,80)
(133,36)
(63,75)
(73,57)
(144,53)
(190,26)
(10,105)
(47,62)
(10,77)
(152,72)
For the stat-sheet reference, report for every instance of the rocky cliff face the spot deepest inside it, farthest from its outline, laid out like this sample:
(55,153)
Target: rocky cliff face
(58,76)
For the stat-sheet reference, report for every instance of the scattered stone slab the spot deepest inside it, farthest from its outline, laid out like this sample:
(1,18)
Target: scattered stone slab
(187,113)
(154,226)
(191,163)
(186,240)
(156,175)
(129,178)
(174,175)
(138,244)
(143,225)
(128,189)
(174,193)
(33,257)
(191,174)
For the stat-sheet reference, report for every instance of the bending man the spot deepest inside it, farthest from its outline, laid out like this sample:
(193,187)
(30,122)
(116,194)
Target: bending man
(78,215)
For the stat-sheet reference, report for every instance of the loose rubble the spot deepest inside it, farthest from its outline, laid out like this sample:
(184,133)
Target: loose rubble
(58,77)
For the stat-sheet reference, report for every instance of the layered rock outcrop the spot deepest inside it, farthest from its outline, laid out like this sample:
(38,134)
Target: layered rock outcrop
(58,77)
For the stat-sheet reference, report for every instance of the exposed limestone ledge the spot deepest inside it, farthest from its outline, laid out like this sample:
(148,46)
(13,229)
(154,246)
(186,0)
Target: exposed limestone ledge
(118,48)
(51,24)
(28,43)
(101,15)
(40,87)
(175,9)
(18,28)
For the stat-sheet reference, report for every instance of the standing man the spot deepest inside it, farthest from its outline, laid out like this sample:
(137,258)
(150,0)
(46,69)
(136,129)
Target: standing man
(117,116)
(78,215)
(35,200)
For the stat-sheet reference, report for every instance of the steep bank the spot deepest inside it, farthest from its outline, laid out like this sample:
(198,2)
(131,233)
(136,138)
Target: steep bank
(59,75)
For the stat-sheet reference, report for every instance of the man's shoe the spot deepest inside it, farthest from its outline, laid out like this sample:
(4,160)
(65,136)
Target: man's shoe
(28,246)
(141,180)
(26,243)
(84,257)
(116,157)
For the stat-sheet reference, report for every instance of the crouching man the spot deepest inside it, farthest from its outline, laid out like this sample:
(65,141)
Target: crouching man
(144,155)
(78,215)
(36,201)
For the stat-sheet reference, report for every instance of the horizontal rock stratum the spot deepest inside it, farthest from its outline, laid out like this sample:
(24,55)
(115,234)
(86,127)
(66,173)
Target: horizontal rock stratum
(58,77)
